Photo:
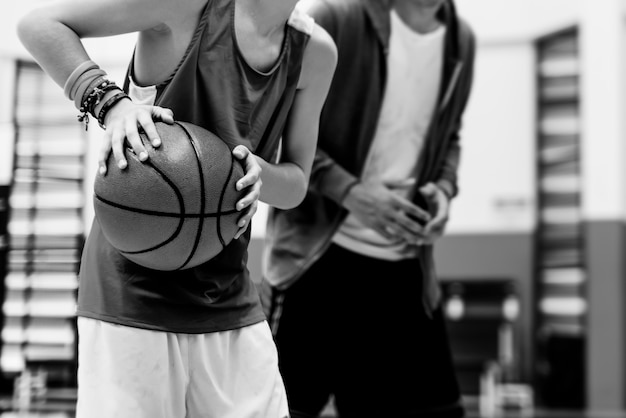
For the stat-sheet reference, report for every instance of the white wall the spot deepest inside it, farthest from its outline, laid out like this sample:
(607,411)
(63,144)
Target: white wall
(502,26)
(496,177)
(603,49)
(497,173)
(507,21)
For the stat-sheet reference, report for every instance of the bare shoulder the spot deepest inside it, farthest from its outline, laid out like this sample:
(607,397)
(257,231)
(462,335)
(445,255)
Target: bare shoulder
(320,58)
(322,42)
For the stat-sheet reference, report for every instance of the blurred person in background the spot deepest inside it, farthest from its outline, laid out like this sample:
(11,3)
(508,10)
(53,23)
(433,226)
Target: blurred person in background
(349,282)
(194,342)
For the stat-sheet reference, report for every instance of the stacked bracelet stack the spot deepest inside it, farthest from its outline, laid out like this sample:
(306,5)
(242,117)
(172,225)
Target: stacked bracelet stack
(87,86)
(112,101)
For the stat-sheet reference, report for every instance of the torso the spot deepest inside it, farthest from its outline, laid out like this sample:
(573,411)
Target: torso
(160,49)
(204,88)
(414,64)
(260,52)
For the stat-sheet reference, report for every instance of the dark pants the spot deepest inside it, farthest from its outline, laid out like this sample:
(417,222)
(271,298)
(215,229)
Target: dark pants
(355,327)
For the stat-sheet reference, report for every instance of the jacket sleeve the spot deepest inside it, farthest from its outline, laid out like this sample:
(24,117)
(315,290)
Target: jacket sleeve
(330,179)
(447,178)
(327,176)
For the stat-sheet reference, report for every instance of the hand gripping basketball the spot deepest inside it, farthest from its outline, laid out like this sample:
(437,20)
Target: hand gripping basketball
(177,209)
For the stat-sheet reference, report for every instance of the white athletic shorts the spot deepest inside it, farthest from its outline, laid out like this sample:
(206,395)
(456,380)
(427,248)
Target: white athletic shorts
(126,372)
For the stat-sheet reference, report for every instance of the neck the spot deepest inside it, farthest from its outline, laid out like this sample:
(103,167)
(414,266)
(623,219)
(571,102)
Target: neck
(269,15)
(419,16)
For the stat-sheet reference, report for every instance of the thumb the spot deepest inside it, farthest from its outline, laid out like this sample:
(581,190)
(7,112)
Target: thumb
(429,189)
(240,151)
(400,184)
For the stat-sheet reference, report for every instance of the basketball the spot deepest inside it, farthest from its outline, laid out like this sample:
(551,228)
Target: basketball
(177,209)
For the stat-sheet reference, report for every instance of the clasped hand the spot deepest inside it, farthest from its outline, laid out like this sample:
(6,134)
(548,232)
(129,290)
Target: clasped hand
(382,208)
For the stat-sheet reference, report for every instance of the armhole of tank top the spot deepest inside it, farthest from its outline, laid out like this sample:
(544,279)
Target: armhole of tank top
(137,93)
(194,39)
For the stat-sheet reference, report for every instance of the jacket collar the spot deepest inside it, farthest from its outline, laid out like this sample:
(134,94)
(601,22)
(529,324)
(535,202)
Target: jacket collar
(378,11)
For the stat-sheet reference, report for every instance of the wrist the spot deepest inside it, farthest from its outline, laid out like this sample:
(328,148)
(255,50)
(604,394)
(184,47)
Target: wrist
(111,106)
(97,108)
(446,188)
(351,194)
(108,105)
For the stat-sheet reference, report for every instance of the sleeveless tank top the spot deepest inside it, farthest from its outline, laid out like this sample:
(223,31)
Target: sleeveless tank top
(215,88)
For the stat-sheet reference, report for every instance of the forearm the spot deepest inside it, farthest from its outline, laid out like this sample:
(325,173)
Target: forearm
(447,178)
(330,179)
(55,47)
(60,52)
(52,33)
(284,184)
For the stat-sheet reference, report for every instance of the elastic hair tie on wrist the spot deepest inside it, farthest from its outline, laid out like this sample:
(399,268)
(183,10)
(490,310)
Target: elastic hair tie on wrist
(78,71)
(84,80)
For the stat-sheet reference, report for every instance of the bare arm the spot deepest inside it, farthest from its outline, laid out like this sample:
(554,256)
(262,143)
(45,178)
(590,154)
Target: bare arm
(52,33)
(285,184)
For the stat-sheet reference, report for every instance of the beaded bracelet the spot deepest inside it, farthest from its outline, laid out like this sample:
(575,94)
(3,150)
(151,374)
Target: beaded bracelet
(86,89)
(82,83)
(93,99)
(98,94)
(86,107)
(108,105)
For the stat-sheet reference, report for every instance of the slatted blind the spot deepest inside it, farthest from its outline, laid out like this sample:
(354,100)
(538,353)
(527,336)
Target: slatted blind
(562,304)
(4,241)
(560,266)
(45,227)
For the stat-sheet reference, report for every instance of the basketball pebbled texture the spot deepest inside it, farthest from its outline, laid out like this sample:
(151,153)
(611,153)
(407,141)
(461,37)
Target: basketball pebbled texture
(177,209)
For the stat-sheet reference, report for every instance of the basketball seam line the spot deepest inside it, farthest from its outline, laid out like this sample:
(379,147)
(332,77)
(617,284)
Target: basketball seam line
(163,214)
(221,201)
(202,196)
(181,201)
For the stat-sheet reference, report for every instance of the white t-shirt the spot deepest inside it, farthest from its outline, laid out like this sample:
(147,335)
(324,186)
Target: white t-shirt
(415,64)
(144,95)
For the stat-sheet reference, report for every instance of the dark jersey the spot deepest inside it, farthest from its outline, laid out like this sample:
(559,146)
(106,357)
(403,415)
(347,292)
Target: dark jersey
(215,88)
